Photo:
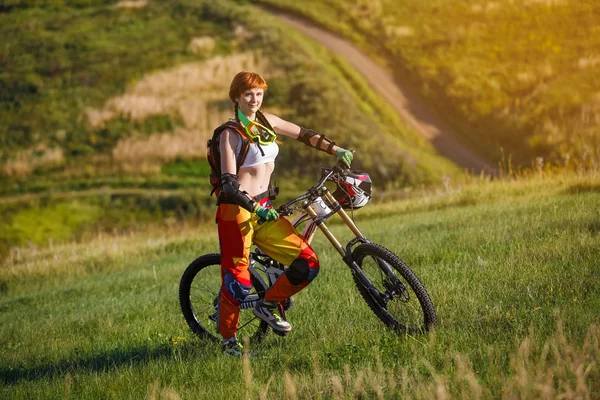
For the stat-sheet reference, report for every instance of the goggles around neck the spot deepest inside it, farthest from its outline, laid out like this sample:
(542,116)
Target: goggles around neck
(256,131)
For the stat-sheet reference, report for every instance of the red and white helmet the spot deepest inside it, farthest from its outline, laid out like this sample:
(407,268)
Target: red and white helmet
(354,191)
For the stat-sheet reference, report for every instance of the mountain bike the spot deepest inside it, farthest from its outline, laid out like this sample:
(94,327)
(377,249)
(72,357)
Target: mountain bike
(388,286)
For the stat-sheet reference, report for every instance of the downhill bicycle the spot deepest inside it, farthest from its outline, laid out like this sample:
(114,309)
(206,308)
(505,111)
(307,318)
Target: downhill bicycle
(389,287)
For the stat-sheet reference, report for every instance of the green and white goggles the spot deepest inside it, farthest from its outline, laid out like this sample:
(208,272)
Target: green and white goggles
(256,131)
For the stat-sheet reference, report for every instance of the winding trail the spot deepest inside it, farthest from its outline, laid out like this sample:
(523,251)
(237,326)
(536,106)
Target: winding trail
(398,94)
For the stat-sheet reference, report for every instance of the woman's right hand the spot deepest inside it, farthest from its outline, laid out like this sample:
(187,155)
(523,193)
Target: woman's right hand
(268,214)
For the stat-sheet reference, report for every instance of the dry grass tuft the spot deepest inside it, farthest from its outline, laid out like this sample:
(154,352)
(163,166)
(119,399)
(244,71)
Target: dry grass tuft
(153,389)
(202,45)
(195,91)
(241,33)
(399,31)
(338,388)
(102,248)
(133,152)
(546,70)
(290,386)
(132,4)
(557,370)
(246,369)
(484,8)
(179,89)
(526,77)
(68,384)
(24,162)
(554,369)
(155,392)
(366,8)
(588,62)
(547,2)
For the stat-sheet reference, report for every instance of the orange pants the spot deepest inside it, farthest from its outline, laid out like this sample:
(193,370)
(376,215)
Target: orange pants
(238,229)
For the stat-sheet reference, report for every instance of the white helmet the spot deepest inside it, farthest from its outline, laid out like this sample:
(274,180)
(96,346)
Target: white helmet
(354,191)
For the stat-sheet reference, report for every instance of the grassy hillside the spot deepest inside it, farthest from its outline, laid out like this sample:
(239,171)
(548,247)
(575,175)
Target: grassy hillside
(107,106)
(511,267)
(131,88)
(519,75)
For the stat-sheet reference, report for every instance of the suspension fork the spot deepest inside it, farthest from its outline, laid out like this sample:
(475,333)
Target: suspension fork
(320,220)
(346,253)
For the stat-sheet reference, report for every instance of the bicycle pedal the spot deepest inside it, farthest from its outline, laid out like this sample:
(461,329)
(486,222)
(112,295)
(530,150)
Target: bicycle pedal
(288,304)
(280,333)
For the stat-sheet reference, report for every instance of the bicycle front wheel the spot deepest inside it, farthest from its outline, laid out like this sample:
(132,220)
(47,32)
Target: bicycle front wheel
(198,297)
(399,299)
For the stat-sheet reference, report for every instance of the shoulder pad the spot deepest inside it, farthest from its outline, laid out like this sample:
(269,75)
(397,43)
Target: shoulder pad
(234,126)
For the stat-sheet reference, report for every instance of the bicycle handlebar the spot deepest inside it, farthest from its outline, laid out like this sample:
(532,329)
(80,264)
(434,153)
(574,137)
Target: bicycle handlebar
(284,209)
(338,169)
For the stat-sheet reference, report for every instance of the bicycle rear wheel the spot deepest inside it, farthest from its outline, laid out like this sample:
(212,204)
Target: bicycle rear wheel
(198,298)
(401,302)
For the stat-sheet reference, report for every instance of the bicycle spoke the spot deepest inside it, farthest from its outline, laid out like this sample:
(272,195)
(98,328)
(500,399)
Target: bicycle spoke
(204,294)
(379,269)
(241,327)
(211,291)
(210,303)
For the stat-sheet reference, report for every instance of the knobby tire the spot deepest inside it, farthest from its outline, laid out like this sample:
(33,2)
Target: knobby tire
(196,308)
(395,317)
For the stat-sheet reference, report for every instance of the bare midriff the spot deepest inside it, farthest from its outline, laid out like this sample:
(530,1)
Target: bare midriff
(255,179)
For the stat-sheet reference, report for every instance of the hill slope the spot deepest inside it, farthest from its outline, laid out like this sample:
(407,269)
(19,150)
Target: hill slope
(96,93)
(517,75)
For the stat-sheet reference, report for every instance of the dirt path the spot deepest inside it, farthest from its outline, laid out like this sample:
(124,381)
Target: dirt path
(408,105)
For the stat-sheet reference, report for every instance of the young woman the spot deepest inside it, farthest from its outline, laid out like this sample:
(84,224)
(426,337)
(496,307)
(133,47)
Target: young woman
(247,148)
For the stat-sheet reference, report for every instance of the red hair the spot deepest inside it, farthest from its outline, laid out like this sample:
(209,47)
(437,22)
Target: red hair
(243,81)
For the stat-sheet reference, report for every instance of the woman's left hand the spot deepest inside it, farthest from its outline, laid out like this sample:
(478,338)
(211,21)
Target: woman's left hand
(344,156)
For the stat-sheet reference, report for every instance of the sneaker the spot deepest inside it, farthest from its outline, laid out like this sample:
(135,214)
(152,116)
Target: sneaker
(264,311)
(231,347)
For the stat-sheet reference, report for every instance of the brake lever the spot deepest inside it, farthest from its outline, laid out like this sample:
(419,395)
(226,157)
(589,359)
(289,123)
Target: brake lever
(283,211)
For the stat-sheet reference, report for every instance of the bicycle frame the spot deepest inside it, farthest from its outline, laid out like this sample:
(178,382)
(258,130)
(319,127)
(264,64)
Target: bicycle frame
(318,211)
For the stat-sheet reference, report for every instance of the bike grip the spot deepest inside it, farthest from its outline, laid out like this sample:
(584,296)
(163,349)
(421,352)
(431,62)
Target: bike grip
(341,164)
(341,167)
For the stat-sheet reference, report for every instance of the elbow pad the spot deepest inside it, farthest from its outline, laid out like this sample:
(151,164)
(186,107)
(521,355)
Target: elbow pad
(307,134)
(231,188)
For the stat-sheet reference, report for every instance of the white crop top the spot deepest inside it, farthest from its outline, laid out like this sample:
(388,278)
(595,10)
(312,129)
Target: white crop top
(254,157)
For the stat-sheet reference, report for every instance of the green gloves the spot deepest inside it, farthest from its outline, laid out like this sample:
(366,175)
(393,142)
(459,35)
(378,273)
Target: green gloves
(268,214)
(344,156)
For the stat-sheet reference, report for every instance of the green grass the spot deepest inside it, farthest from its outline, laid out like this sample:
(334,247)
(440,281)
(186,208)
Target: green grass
(517,75)
(511,267)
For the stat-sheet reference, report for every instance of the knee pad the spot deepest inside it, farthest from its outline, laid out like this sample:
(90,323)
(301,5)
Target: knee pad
(236,290)
(300,272)
(312,274)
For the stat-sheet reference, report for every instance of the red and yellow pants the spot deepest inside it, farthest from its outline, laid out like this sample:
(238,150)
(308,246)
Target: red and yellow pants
(238,229)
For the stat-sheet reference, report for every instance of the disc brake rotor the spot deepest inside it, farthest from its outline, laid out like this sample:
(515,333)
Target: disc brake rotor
(395,288)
